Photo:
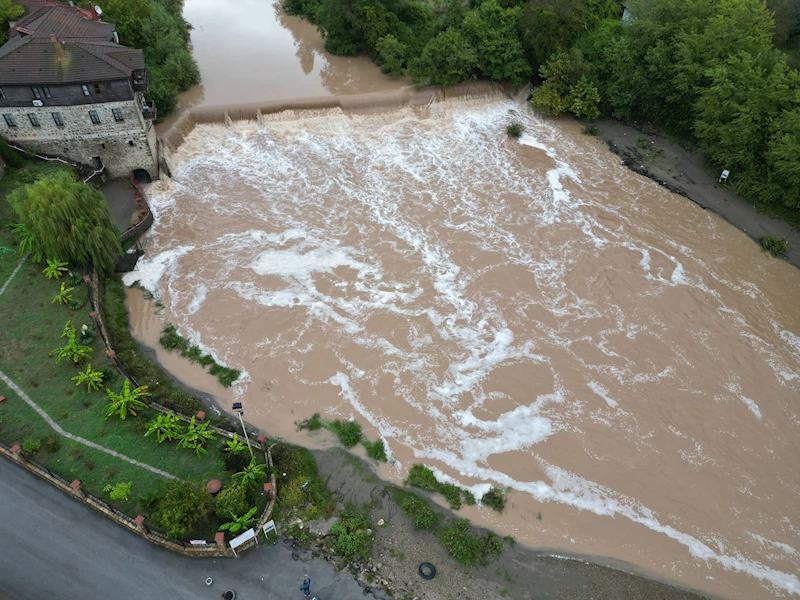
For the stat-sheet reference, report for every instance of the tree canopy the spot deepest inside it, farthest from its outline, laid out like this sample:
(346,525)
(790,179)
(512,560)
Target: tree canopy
(67,220)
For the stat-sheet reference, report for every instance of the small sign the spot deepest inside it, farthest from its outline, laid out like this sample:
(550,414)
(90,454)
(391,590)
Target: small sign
(198,542)
(241,539)
(269,526)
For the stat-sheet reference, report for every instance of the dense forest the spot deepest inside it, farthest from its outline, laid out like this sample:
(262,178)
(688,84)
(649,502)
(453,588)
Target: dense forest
(721,74)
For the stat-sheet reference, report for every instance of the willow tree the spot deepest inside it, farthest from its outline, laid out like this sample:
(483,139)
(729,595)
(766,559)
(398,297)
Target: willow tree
(68,220)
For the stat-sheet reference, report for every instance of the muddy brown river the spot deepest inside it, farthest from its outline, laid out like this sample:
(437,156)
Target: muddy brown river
(527,314)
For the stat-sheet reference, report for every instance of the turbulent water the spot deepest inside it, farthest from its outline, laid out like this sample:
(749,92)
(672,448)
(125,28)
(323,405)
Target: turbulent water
(527,314)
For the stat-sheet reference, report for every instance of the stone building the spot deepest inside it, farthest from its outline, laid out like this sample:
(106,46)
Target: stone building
(68,89)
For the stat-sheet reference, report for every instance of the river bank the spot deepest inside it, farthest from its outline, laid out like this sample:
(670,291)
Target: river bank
(686,172)
(521,571)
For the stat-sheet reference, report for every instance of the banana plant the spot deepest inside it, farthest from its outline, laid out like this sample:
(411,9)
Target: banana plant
(92,379)
(127,402)
(240,523)
(251,474)
(196,437)
(236,445)
(64,296)
(166,427)
(55,268)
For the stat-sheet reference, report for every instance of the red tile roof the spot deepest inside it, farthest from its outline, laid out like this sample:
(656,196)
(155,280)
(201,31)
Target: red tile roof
(65,22)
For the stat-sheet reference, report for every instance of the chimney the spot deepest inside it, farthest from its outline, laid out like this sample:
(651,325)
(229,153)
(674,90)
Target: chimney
(95,15)
(59,49)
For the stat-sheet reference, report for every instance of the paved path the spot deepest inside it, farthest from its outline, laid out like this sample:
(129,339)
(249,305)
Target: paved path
(72,436)
(55,547)
(14,272)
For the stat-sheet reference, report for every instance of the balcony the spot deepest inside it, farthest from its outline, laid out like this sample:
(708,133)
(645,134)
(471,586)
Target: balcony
(149,112)
(139,80)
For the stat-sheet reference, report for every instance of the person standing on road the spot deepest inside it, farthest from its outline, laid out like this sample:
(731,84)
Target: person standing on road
(306,587)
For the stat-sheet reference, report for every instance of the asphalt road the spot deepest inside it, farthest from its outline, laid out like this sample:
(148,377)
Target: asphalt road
(52,546)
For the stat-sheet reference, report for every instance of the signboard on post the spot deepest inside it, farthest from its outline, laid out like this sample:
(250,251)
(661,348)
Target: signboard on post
(269,526)
(241,539)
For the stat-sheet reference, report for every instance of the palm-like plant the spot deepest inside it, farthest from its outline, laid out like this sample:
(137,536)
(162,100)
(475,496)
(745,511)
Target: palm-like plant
(240,523)
(55,268)
(92,379)
(127,402)
(235,445)
(196,437)
(252,474)
(166,427)
(73,351)
(64,296)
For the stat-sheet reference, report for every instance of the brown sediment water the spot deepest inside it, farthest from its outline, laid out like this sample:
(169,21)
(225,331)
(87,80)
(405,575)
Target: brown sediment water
(250,51)
(528,314)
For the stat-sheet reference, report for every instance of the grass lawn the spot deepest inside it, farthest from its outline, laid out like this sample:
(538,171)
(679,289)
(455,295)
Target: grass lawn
(31,328)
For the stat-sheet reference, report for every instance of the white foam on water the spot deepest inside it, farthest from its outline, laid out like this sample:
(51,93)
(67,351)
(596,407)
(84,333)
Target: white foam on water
(326,194)
(150,270)
(751,405)
(603,393)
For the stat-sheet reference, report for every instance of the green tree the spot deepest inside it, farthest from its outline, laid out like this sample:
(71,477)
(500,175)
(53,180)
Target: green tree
(93,380)
(566,87)
(241,523)
(127,401)
(196,437)
(231,500)
(8,10)
(68,219)
(129,17)
(493,32)
(783,159)
(391,55)
(184,505)
(583,99)
(252,474)
(447,59)
(166,427)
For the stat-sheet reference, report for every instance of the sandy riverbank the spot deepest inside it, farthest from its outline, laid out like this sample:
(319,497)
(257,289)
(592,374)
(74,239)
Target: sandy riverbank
(685,172)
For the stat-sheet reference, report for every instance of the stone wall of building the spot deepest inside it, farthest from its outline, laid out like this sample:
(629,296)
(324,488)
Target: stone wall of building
(122,146)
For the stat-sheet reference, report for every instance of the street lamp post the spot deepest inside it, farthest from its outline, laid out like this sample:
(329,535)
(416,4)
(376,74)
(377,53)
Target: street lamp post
(237,406)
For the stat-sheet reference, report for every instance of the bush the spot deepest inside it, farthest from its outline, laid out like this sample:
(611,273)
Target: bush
(348,432)
(466,547)
(170,339)
(31,445)
(773,245)
(514,130)
(295,467)
(232,500)
(119,491)
(351,537)
(420,512)
(183,505)
(9,155)
(52,444)
(313,423)
(494,499)
(422,477)
(376,450)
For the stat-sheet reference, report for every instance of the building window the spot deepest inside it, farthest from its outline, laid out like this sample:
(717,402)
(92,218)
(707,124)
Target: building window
(46,91)
(85,89)
(58,120)
(10,120)
(117,114)
(34,119)
(94,117)
(36,93)
(98,164)
(97,89)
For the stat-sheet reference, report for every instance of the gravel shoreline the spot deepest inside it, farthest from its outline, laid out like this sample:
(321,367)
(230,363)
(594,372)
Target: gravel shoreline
(686,173)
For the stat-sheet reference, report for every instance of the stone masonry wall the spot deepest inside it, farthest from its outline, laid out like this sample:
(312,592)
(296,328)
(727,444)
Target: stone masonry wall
(122,146)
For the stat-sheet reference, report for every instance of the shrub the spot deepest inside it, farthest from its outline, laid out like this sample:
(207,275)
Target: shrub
(225,375)
(773,245)
(420,512)
(235,461)
(313,423)
(295,467)
(422,477)
(31,445)
(351,537)
(52,444)
(514,130)
(183,505)
(231,500)
(170,340)
(466,547)
(376,450)
(119,491)
(494,499)
(8,154)
(348,432)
